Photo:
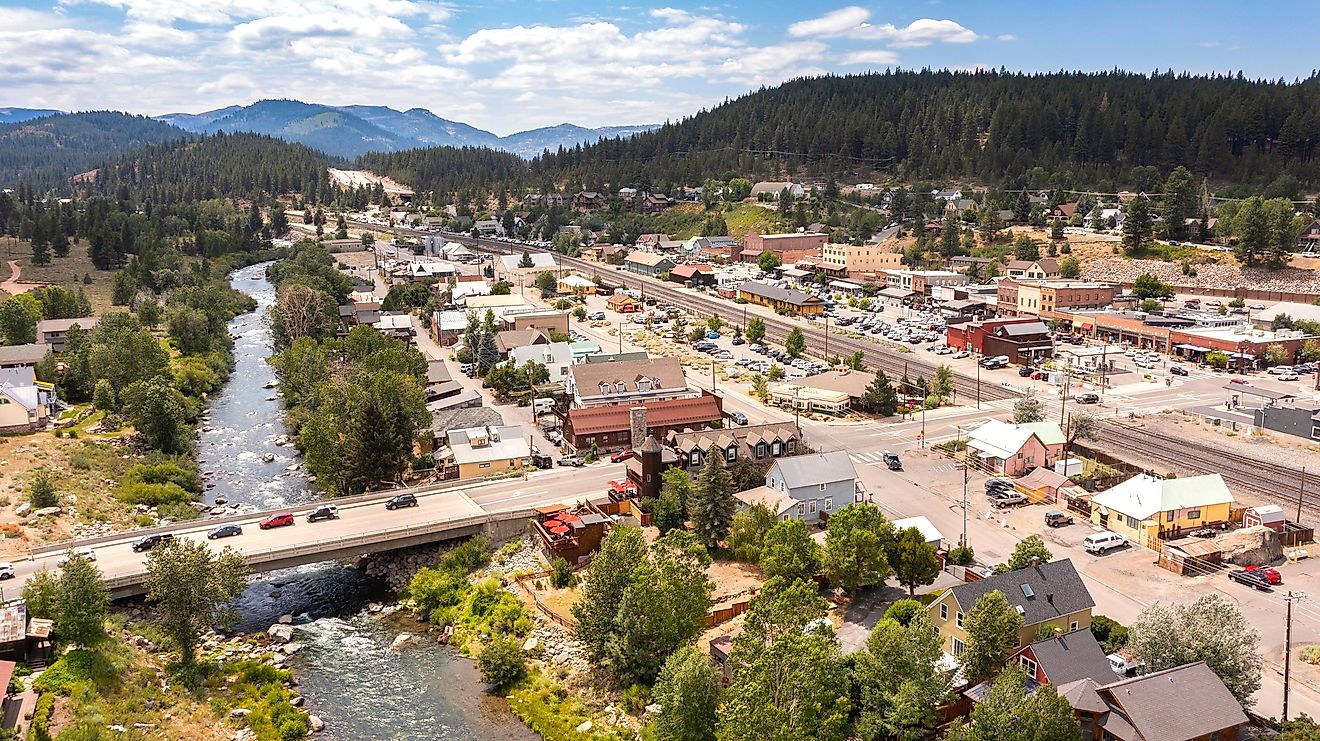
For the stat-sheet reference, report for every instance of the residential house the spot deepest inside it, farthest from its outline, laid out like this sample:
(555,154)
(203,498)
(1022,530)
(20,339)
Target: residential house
(54,331)
(546,320)
(511,339)
(488,450)
(439,383)
(1090,221)
(754,442)
(611,427)
(1047,595)
(647,263)
(651,241)
(23,407)
(628,382)
(963,263)
(1043,268)
(1064,658)
(1309,239)
(417,272)
(1145,508)
(696,275)
(445,418)
(922,524)
(459,292)
(656,202)
(1185,703)
(22,356)
(772,189)
(576,285)
(624,303)
(1015,449)
(1063,211)
(782,300)
(447,327)
(557,357)
(499,304)
(396,324)
(360,312)
(805,487)
(588,199)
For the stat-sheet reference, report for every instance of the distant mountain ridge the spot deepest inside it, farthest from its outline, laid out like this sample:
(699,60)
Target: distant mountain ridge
(47,149)
(18,115)
(349,131)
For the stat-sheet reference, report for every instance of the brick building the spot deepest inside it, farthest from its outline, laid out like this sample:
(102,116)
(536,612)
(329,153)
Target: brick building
(780,243)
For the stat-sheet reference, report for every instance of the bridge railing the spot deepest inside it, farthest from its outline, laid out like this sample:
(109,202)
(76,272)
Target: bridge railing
(324,544)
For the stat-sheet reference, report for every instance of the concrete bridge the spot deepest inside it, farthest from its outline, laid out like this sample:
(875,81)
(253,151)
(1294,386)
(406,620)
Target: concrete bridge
(499,509)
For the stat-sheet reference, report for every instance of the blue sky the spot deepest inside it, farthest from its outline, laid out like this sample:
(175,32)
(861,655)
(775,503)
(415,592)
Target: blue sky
(507,65)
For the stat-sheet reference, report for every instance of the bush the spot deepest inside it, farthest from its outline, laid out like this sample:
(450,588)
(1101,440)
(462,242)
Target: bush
(502,662)
(562,576)
(41,492)
(165,472)
(1109,632)
(961,555)
(153,495)
(40,728)
(904,610)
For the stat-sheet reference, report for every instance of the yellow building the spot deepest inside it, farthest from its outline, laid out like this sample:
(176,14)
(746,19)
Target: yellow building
(486,451)
(1045,595)
(861,260)
(576,285)
(1144,508)
(782,300)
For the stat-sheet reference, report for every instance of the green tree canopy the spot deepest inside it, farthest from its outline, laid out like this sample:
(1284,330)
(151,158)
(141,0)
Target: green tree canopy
(993,628)
(688,693)
(789,551)
(1212,630)
(193,587)
(857,539)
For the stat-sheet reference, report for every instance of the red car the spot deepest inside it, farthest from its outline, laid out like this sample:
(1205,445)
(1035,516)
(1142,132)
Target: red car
(621,456)
(280,519)
(1242,381)
(1271,575)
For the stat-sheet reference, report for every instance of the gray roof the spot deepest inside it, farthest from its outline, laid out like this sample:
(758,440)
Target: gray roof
(1055,587)
(775,293)
(23,354)
(64,325)
(1185,702)
(815,469)
(1073,656)
(1025,329)
(444,420)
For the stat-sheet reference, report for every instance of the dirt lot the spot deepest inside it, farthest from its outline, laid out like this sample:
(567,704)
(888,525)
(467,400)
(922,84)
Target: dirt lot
(65,271)
(1276,448)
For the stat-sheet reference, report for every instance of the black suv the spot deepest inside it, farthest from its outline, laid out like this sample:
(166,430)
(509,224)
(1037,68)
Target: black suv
(401,501)
(324,512)
(147,542)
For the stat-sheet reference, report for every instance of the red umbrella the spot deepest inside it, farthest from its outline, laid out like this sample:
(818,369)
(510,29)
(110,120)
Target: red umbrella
(569,518)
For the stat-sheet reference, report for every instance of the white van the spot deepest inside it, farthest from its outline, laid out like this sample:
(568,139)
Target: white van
(1100,542)
(543,404)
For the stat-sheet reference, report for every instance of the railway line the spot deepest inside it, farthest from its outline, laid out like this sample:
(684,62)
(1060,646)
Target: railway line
(894,364)
(1278,484)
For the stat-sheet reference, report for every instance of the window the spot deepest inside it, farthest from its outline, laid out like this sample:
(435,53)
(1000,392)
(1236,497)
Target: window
(1072,626)
(944,612)
(620,386)
(774,448)
(760,450)
(1028,665)
(812,506)
(604,387)
(958,646)
(1193,514)
(958,619)
(1130,521)
(1168,516)
(655,383)
(732,454)
(644,385)
(483,465)
(829,504)
(802,508)
(696,457)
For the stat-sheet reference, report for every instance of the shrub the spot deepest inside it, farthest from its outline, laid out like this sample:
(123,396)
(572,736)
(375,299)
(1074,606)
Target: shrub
(961,555)
(1310,654)
(165,472)
(153,494)
(904,610)
(562,575)
(502,662)
(41,492)
(1109,632)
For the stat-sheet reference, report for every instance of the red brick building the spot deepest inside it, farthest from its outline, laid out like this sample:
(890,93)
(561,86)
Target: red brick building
(987,337)
(610,427)
(780,243)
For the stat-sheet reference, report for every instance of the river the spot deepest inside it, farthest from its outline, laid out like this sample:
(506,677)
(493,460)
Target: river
(351,679)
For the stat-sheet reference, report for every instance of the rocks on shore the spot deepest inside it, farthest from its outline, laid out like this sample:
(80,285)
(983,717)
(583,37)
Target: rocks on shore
(280,632)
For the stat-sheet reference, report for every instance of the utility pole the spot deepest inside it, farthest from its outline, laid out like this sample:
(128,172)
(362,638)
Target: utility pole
(1301,493)
(978,382)
(827,338)
(712,375)
(1287,647)
(963,542)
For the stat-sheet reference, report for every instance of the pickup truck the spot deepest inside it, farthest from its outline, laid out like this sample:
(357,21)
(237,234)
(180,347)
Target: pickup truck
(1006,498)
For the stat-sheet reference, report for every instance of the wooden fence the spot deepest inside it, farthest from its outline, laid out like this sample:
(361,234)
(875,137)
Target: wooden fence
(725,614)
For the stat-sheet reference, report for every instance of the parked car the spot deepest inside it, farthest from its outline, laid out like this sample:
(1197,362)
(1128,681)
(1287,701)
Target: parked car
(1177,370)
(541,460)
(1289,376)
(147,542)
(1270,573)
(596,316)
(961,354)
(738,341)
(1087,398)
(1097,543)
(1001,498)
(6,571)
(86,553)
(892,461)
(1279,370)
(400,501)
(1055,518)
(225,531)
(737,418)
(1025,372)
(324,512)
(572,460)
(997,485)
(1253,578)
(621,455)
(281,519)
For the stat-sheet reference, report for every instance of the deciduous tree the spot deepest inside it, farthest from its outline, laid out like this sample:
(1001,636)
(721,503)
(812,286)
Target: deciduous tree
(993,628)
(748,532)
(795,343)
(688,693)
(607,577)
(1009,713)
(1212,630)
(900,680)
(193,587)
(1028,550)
(789,552)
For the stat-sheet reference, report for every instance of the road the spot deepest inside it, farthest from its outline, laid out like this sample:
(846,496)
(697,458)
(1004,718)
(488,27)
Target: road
(357,519)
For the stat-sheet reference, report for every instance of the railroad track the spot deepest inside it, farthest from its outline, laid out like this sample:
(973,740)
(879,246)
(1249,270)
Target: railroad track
(1279,484)
(895,364)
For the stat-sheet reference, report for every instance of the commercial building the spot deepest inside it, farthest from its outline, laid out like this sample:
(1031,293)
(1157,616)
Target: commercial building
(575,285)
(647,263)
(696,275)
(1032,269)
(861,261)
(922,281)
(628,382)
(781,243)
(1043,298)
(782,300)
(614,427)
(833,392)
(1023,340)
(754,442)
(1147,509)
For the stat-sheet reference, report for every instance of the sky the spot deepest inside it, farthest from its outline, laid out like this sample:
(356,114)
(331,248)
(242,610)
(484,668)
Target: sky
(509,65)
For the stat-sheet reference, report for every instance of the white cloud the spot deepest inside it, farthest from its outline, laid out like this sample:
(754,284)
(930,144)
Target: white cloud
(921,32)
(236,84)
(872,57)
(1006,37)
(834,23)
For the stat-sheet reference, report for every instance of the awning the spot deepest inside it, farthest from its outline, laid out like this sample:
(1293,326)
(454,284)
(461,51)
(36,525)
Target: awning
(794,273)
(1086,325)
(892,292)
(845,285)
(1241,355)
(1038,348)
(1193,348)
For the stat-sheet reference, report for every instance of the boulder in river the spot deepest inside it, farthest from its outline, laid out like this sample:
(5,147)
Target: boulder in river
(315,724)
(401,640)
(280,632)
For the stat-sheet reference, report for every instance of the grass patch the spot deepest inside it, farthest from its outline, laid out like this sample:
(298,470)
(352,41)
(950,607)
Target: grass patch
(552,712)
(744,218)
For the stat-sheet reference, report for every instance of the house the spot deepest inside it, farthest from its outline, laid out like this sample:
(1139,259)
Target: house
(576,285)
(651,241)
(512,339)
(624,303)
(647,263)
(459,292)
(487,450)
(754,442)
(1043,268)
(527,317)
(1064,658)
(1185,703)
(627,382)
(23,356)
(541,261)
(447,327)
(782,300)
(54,331)
(963,263)
(488,227)
(439,383)
(696,275)
(614,427)
(1144,507)
(416,272)
(23,408)
(557,357)
(772,189)
(1014,449)
(396,324)
(1309,239)
(1049,595)
(588,199)
(1090,221)
(929,533)
(656,202)
(360,312)
(805,487)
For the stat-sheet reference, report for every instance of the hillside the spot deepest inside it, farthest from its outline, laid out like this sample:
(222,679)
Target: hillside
(217,165)
(47,151)
(1078,129)
(349,131)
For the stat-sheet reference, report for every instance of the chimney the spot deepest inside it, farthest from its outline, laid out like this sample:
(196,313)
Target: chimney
(1057,630)
(1035,561)
(636,426)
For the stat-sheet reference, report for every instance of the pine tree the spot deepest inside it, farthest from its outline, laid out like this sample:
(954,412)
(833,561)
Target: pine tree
(711,504)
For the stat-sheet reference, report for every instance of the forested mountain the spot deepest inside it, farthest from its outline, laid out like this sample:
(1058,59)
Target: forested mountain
(15,115)
(1077,129)
(448,169)
(46,152)
(349,131)
(217,166)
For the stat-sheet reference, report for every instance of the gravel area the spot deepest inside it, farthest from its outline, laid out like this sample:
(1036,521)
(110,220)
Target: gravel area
(1283,450)
(1221,276)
